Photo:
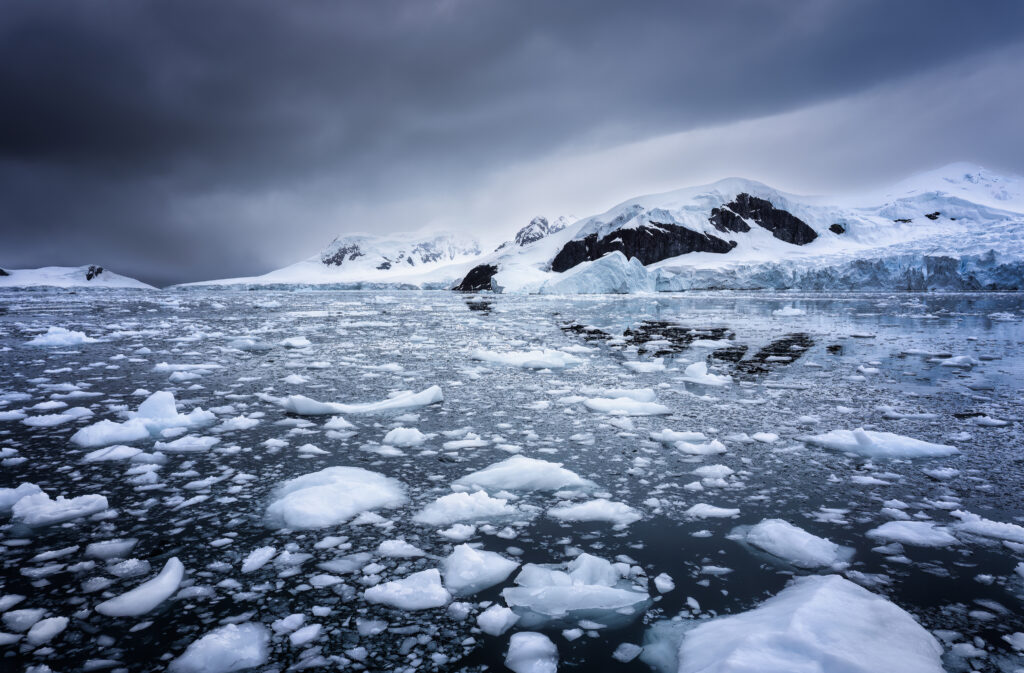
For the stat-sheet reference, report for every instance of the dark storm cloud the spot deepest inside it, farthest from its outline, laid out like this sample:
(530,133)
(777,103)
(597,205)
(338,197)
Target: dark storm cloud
(185,140)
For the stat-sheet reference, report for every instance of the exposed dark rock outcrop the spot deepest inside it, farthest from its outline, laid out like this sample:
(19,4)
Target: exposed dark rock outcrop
(4,273)
(904,220)
(478,278)
(781,223)
(837,229)
(933,216)
(338,257)
(726,220)
(648,243)
(93,271)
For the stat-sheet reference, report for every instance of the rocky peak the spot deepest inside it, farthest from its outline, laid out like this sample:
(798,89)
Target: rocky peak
(538,228)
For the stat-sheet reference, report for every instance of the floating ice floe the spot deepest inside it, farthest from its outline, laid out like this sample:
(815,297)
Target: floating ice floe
(874,444)
(404,437)
(46,630)
(454,507)
(496,620)
(625,406)
(916,533)
(599,509)
(233,647)
(536,359)
(116,452)
(104,433)
(531,652)
(295,342)
(40,510)
(148,595)
(788,311)
(795,545)
(53,420)
(646,367)
(520,473)
(698,373)
(9,496)
(305,406)
(158,412)
(187,444)
(587,588)
(976,525)
(60,336)
(705,511)
(258,558)
(332,496)
(468,571)
(818,623)
(418,591)
(690,443)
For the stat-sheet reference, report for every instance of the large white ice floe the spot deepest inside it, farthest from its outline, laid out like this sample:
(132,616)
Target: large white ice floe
(916,533)
(148,595)
(158,412)
(536,359)
(233,647)
(874,444)
(60,336)
(418,591)
(599,509)
(817,624)
(467,570)
(520,473)
(454,507)
(40,510)
(305,406)
(587,588)
(531,652)
(795,545)
(332,496)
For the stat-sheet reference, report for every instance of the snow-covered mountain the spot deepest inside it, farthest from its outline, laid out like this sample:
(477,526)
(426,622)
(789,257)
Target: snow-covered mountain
(91,276)
(366,260)
(958,228)
(538,228)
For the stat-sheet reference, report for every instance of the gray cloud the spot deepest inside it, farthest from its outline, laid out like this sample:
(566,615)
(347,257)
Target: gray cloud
(188,140)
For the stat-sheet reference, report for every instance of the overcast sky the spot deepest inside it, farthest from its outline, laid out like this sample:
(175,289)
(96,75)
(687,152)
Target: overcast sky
(190,140)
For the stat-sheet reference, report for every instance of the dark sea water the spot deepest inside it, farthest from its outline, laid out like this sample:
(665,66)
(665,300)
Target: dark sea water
(967,593)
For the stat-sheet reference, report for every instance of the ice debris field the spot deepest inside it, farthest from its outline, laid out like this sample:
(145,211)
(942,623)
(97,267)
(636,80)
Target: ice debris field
(210,481)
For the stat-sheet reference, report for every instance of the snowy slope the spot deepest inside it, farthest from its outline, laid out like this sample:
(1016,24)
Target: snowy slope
(937,231)
(91,276)
(960,227)
(360,260)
